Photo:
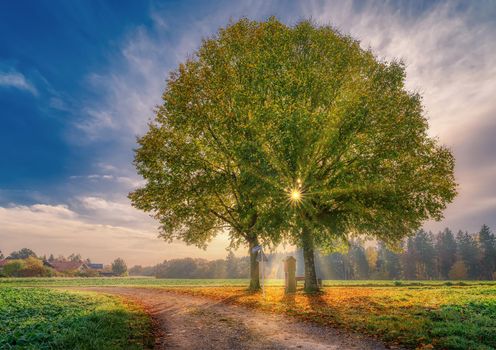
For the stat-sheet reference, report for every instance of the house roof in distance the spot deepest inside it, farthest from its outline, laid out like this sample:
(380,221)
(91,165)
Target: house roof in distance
(95,266)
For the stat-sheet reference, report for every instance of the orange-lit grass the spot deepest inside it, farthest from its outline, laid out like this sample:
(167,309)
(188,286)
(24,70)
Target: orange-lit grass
(412,316)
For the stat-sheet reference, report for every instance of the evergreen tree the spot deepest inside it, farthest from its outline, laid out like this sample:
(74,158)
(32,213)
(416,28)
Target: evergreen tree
(468,251)
(409,260)
(487,243)
(425,255)
(337,266)
(358,261)
(1,255)
(372,255)
(392,265)
(446,252)
(389,266)
(24,253)
(232,265)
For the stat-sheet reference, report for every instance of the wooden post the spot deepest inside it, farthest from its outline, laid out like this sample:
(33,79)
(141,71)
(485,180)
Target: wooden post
(290,274)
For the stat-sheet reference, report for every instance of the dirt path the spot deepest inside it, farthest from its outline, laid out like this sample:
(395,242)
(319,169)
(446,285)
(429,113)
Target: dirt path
(186,322)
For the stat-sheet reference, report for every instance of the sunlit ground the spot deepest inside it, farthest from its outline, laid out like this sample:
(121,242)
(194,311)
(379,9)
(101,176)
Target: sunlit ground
(445,314)
(420,315)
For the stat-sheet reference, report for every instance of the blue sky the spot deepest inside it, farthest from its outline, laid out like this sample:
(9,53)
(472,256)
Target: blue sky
(79,80)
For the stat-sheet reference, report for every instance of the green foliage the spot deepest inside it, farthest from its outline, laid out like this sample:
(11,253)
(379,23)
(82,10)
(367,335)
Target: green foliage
(327,117)
(468,251)
(487,242)
(262,109)
(47,319)
(425,254)
(359,261)
(388,263)
(30,267)
(24,253)
(119,267)
(13,268)
(446,250)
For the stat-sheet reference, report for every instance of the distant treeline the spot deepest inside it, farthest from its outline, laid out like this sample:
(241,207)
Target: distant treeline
(425,255)
(231,267)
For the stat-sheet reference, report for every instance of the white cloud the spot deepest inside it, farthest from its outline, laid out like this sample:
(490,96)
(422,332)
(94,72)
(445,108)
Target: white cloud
(113,211)
(59,230)
(60,210)
(107,167)
(132,86)
(17,80)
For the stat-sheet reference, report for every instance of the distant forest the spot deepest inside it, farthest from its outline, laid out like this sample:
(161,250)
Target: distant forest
(424,256)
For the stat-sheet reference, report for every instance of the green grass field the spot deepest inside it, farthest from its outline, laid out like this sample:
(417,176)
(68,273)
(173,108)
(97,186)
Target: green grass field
(158,282)
(38,318)
(415,314)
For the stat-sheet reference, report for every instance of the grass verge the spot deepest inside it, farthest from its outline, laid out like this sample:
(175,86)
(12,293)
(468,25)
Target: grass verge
(38,318)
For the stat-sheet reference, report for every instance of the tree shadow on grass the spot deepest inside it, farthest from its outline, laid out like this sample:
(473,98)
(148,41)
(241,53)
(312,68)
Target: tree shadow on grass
(98,329)
(321,311)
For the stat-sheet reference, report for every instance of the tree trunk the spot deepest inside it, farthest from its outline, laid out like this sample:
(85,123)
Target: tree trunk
(254,266)
(311,284)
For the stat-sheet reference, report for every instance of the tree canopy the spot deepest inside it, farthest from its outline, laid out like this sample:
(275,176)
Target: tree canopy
(119,267)
(296,133)
(23,253)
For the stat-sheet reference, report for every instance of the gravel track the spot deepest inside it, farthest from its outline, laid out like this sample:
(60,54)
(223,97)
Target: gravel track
(188,322)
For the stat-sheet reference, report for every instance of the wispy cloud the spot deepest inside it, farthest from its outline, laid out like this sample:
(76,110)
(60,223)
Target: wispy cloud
(60,229)
(17,80)
(132,86)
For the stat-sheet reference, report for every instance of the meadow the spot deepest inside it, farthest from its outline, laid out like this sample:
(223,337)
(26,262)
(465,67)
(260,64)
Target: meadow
(414,314)
(172,282)
(39,318)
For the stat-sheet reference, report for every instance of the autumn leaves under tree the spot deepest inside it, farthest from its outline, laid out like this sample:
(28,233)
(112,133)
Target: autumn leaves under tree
(262,110)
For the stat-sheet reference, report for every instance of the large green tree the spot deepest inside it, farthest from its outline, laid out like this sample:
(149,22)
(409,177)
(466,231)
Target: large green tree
(272,132)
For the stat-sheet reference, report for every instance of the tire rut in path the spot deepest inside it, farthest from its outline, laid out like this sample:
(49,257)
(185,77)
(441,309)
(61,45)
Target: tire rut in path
(187,322)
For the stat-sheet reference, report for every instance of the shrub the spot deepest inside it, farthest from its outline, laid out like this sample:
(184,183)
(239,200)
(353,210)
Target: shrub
(30,267)
(13,268)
